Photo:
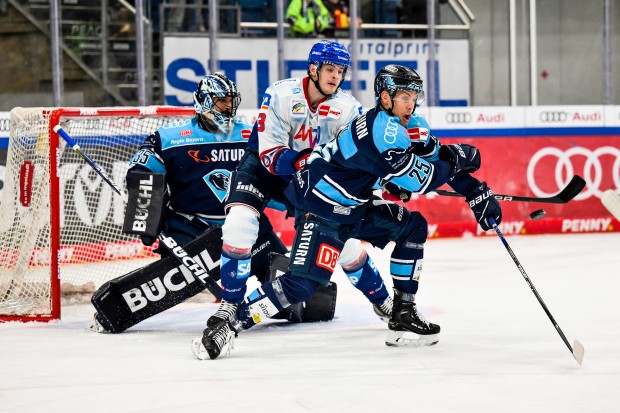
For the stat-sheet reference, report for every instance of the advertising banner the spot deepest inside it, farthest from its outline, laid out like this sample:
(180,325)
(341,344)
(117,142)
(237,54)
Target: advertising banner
(253,65)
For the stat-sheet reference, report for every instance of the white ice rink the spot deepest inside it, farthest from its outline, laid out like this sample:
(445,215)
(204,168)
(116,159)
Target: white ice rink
(498,351)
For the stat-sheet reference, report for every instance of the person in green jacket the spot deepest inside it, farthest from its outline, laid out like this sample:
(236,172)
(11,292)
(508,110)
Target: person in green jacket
(307,17)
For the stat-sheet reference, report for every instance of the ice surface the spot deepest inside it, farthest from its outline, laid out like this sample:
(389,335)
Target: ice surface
(497,352)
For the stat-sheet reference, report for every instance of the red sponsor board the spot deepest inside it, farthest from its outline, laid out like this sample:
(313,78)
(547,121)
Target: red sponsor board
(531,166)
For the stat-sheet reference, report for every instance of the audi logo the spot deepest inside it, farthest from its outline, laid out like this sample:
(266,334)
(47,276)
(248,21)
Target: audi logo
(592,169)
(458,117)
(548,116)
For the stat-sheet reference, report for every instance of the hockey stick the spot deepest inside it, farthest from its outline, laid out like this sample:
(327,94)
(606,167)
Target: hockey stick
(171,245)
(577,348)
(73,144)
(571,190)
(611,201)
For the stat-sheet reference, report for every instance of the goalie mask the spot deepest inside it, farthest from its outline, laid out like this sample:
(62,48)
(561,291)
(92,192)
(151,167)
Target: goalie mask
(216,101)
(395,77)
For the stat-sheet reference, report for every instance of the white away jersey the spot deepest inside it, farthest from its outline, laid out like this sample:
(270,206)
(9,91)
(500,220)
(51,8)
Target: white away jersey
(286,121)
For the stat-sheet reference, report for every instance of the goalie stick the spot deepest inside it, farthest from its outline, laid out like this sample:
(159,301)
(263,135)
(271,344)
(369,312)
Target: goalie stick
(171,245)
(611,201)
(570,191)
(577,348)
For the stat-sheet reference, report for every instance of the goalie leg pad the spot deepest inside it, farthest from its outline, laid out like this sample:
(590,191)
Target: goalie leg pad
(127,300)
(145,202)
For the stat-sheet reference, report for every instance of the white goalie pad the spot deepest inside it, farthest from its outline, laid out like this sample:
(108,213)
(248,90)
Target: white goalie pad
(410,339)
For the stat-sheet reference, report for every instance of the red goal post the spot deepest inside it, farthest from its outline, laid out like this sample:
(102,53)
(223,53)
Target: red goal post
(60,223)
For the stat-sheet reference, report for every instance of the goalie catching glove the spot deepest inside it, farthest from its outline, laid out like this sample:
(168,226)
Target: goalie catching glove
(484,206)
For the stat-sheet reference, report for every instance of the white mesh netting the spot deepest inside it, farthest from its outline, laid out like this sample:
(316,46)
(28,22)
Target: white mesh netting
(92,248)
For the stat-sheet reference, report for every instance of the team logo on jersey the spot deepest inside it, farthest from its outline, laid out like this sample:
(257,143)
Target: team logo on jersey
(417,134)
(217,181)
(195,155)
(296,90)
(298,108)
(266,101)
(186,132)
(327,257)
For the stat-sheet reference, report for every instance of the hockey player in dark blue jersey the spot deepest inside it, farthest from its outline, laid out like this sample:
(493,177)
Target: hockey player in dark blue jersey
(193,160)
(334,201)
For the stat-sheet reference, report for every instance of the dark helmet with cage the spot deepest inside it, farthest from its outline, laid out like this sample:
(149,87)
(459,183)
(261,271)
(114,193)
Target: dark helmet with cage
(210,101)
(396,77)
(333,53)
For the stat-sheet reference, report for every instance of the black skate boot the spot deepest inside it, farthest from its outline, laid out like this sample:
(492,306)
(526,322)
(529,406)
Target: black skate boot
(217,340)
(224,312)
(407,326)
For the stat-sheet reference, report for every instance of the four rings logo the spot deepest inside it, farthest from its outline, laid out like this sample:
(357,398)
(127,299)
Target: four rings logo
(592,170)
(458,117)
(548,116)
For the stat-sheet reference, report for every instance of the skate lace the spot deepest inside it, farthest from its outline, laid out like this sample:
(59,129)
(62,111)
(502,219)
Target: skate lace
(419,316)
(387,306)
(220,336)
(225,310)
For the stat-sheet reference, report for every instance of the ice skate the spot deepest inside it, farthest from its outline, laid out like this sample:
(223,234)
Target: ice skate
(224,312)
(216,341)
(409,328)
(384,310)
(96,326)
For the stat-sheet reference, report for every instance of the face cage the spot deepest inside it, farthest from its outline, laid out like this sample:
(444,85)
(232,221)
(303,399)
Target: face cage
(210,113)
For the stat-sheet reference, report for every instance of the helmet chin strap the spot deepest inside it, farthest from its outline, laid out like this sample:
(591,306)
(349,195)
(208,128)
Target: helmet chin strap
(389,111)
(316,85)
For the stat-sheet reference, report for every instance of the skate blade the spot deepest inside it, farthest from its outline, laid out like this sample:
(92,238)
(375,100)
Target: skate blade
(409,339)
(199,350)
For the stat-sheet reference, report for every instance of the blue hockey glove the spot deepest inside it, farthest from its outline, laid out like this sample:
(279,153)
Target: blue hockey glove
(484,205)
(463,157)
(394,193)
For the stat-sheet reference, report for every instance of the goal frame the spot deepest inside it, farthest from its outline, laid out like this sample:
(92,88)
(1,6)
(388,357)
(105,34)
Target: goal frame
(55,117)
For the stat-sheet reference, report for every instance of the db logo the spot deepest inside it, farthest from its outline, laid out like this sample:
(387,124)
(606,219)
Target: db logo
(327,257)
(185,132)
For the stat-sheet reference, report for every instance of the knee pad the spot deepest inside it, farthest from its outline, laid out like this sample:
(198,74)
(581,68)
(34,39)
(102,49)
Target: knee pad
(353,255)
(415,230)
(240,229)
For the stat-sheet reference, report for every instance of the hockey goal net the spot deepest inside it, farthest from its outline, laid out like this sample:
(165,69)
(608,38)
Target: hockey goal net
(60,223)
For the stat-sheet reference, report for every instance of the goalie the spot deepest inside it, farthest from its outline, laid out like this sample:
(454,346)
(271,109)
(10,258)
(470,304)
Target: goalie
(177,183)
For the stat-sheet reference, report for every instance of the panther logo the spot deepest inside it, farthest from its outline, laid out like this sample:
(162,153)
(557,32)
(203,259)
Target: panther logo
(219,180)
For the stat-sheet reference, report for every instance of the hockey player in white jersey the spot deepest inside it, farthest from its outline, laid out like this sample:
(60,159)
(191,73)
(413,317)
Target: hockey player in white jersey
(295,115)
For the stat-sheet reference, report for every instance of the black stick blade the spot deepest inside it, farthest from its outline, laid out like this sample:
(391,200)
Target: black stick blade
(573,189)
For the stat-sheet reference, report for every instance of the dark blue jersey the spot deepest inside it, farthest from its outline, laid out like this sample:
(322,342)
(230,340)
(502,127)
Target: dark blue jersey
(341,175)
(197,164)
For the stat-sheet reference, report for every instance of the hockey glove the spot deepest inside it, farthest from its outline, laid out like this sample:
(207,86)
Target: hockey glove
(484,205)
(394,193)
(299,162)
(463,157)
